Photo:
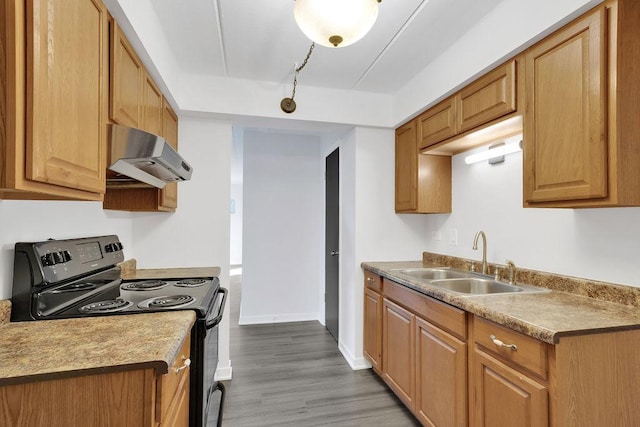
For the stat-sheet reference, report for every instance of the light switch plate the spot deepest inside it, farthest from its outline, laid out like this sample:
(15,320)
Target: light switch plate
(453,236)
(436,235)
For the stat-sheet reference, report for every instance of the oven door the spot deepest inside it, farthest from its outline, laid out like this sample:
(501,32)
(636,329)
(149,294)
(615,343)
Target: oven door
(212,404)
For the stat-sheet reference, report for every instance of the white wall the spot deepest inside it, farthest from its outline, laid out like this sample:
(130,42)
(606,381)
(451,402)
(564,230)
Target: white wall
(282,243)
(197,234)
(600,244)
(370,230)
(25,221)
(236,224)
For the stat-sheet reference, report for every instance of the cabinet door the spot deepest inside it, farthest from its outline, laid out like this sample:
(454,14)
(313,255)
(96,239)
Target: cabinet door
(504,397)
(169,194)
(437,124)
(398,355)
(151,106)
(565,145)
(488,98)
(126,86)
(373,328)
(406,168)
(441,380)
(67,80)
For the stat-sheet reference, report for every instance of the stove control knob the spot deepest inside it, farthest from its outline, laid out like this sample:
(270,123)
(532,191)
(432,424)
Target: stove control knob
(109,247)
(47,259)
(58,258)
(66,255)
(119,246)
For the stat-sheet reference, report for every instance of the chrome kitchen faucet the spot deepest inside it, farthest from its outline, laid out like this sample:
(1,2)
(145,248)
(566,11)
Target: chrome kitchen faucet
(484,249)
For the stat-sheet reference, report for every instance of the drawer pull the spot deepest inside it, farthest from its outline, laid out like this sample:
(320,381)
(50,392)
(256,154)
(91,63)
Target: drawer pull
(369,279)
(185,365)
(499,343)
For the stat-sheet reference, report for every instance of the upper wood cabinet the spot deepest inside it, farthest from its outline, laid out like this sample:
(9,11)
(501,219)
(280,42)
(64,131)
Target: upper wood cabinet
(491,97)
(53,99)
(152,105)
(437,124)
(137,101)
(169,194)
(423,181)
(582,116)
(128,81)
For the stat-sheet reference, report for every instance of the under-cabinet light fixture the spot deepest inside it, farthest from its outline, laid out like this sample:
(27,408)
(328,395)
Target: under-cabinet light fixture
(510,145)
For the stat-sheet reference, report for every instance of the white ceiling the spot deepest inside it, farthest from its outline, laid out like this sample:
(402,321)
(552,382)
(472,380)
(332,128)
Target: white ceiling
(259,40)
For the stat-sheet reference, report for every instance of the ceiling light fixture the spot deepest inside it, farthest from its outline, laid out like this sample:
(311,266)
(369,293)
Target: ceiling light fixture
(288,105)
(336,23)
(495,153)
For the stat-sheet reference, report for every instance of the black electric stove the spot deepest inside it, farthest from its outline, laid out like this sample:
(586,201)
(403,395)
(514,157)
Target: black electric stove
(59,279)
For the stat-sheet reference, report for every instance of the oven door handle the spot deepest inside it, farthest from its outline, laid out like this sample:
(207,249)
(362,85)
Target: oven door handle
(212,323)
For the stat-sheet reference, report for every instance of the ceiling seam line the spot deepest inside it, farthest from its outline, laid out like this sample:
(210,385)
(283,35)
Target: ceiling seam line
(391,42)
(223,51)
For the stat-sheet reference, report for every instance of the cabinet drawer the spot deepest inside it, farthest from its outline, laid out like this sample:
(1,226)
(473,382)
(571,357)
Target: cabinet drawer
(443,315)
(530,353)
(373,281)
(171,385)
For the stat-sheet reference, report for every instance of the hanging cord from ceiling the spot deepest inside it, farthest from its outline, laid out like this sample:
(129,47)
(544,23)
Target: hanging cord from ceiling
(288,105)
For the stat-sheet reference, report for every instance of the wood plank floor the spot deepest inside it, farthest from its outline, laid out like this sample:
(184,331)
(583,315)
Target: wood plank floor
(292,374)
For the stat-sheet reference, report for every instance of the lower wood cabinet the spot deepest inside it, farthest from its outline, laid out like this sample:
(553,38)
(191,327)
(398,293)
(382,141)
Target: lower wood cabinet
(373,328)
(441,380)
(504,397)
(398,341)
(587,380)
(136,398)
(424,355)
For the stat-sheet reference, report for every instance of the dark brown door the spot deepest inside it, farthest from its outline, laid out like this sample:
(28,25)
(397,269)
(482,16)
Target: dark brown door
(332,236)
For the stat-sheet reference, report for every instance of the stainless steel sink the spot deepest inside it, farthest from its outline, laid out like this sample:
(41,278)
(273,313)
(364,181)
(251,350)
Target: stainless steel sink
(432,273)
(464,283)
(476,286)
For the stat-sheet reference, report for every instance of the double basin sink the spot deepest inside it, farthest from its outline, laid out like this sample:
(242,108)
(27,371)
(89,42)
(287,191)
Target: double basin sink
(464,282)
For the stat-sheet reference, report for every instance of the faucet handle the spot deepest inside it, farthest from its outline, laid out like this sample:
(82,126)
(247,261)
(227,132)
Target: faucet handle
(472,267)
(511,266)
(496,273)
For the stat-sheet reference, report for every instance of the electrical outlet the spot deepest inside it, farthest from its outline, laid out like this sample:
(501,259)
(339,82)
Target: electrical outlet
(453,236)
(436,235)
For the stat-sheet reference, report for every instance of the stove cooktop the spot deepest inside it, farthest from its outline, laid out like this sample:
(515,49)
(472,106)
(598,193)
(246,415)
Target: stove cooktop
(137,296)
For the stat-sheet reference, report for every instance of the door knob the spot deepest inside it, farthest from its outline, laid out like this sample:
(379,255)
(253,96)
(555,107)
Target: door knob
(335,253)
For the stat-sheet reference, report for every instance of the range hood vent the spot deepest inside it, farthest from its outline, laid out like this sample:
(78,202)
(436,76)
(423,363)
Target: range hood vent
(141,156)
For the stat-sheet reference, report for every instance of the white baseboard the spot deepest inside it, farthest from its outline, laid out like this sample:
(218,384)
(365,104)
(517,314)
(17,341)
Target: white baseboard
(355,363)
(278,318)
(223,373)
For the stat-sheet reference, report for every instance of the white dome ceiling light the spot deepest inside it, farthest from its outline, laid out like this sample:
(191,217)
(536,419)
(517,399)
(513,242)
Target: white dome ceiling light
(336,23)
(330,23)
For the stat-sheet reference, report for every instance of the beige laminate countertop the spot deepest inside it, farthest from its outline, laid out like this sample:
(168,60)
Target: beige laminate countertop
(546,316)
(40,350)
(46,349)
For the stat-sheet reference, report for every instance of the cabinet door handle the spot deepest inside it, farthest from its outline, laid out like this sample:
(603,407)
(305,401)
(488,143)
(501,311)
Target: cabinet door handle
(185,364)
(499,343)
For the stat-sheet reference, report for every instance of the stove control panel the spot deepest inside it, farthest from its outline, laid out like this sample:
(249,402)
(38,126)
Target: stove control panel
(60,260)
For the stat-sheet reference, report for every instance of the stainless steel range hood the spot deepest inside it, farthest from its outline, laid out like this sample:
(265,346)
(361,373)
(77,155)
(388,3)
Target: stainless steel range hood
(141,156)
